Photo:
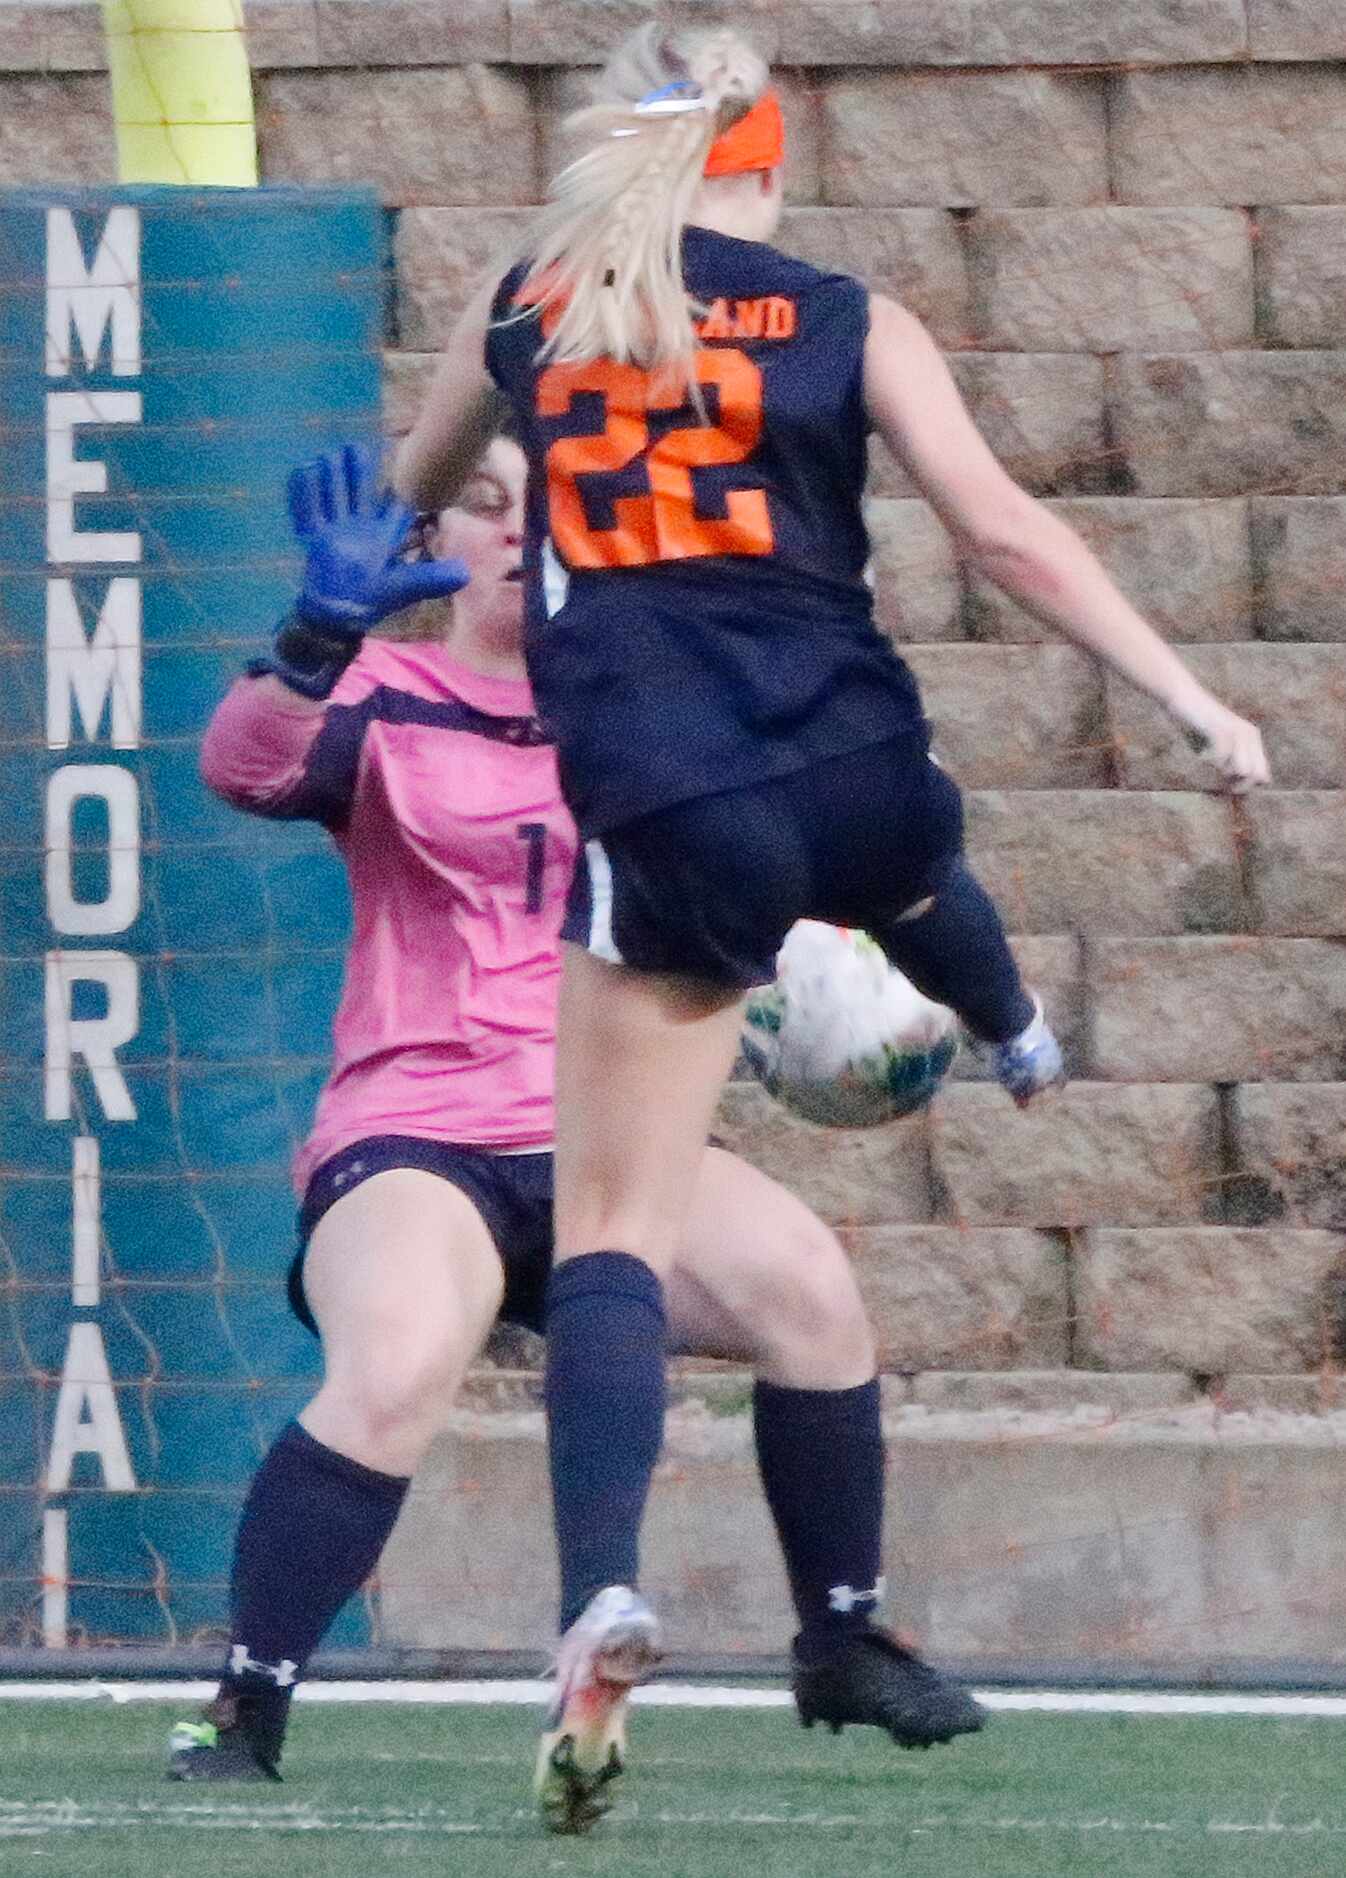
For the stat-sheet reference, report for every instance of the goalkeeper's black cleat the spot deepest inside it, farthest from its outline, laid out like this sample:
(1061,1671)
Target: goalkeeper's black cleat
(219,1746)
(872,1680)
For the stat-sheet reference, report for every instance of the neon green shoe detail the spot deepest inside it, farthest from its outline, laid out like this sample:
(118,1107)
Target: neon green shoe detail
(187,1735)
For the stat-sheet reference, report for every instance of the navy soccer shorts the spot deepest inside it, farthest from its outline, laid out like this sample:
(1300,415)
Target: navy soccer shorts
(512,1192)
(710,887)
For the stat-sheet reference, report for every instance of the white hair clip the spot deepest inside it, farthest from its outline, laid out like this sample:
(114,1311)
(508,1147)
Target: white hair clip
(672,101)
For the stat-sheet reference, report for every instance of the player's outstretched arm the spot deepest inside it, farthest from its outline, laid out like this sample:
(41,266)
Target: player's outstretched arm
(1022,546)
(461,414)
(354,532)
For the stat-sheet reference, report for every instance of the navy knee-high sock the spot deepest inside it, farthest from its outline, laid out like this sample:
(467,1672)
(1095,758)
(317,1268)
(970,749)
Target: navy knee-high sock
(605,1416)
(312,1528)
(958,954)
(820,1453)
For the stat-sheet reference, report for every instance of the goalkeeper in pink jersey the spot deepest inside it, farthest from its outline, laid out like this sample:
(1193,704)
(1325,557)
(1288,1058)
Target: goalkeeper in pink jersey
(426,1182)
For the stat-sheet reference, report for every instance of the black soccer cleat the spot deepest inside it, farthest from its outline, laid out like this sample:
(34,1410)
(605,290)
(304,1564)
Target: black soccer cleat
(218,1747)
(871,1680)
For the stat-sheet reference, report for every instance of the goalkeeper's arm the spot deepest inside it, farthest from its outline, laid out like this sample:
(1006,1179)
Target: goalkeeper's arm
(355,531)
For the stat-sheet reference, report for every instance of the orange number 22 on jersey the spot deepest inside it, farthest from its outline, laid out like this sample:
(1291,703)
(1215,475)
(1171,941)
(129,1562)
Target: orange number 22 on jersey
(661,524)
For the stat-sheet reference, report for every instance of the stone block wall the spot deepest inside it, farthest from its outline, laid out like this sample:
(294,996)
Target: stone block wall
(1126,222)
(1134,248)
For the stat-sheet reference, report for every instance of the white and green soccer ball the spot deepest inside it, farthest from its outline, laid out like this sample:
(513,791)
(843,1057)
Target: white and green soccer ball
(841,1037)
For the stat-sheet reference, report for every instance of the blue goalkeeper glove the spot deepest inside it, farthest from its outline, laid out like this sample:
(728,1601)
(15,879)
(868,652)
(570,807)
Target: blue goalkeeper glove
(355,531)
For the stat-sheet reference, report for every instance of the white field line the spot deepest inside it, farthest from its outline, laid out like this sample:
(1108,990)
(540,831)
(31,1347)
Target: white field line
(687,1695)
(38,1818)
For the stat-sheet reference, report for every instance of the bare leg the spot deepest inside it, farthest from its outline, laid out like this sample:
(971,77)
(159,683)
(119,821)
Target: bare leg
(640,1062)
(758,1276)
(403,1281)
(641,1058)
(760,1279)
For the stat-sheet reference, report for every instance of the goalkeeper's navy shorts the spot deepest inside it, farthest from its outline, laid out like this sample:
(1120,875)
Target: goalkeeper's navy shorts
(710,887)
(512,1192)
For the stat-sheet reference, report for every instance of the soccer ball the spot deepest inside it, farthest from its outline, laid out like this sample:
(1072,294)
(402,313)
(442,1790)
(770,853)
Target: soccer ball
(841,1037)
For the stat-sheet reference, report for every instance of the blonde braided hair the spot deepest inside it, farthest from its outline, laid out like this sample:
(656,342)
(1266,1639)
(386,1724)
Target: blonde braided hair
(606,253)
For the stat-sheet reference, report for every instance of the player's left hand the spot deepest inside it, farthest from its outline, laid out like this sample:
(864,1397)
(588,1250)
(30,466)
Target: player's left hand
(355,529)
(1230,743)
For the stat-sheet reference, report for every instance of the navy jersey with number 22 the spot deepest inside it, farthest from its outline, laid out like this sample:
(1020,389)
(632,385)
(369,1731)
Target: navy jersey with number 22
(698,614)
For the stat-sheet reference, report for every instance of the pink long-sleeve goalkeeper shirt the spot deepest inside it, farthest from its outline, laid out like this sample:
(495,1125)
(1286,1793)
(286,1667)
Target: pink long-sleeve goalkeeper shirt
(443,799)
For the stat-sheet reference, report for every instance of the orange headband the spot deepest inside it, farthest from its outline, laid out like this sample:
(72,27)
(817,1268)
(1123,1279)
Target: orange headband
(756,142)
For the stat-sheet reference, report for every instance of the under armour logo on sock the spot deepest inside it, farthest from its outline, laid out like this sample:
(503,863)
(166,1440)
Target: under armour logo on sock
(845,1598)
(241,1664)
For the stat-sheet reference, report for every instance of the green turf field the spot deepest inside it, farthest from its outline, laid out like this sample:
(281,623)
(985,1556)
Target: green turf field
(717,1794)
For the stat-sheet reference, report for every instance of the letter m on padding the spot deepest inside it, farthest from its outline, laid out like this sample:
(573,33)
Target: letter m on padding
(87,675)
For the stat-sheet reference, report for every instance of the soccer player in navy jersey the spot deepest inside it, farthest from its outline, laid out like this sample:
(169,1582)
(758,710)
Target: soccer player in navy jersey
(739,745)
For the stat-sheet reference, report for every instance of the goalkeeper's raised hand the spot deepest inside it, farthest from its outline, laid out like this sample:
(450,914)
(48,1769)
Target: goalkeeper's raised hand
(355,531)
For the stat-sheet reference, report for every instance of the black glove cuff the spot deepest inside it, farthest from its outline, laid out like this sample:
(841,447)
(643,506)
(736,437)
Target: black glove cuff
(308,661)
